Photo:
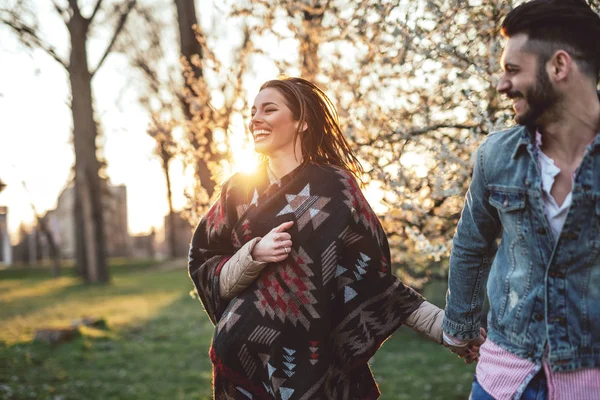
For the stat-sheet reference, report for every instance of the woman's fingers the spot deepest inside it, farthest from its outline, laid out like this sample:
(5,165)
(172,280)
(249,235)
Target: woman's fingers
(283,236)
(282,251)
(279,258)
(279,244)
(282,227)
(279,240)
(483,333)
(285,243)
(276,245)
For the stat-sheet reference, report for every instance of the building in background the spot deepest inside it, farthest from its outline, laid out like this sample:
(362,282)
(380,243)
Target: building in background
(62,224)
(33,246)
(118,241)
(183,236)
(144,246)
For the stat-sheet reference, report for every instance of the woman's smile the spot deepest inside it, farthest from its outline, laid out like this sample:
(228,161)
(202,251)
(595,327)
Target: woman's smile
(260,134)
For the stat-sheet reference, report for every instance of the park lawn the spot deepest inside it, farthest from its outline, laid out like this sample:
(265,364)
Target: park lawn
(156,342)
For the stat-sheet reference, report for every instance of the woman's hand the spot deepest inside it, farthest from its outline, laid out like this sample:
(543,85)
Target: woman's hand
(275,245)
(470,351)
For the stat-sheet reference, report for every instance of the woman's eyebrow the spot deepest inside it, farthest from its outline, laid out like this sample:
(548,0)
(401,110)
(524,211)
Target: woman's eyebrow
(268,103)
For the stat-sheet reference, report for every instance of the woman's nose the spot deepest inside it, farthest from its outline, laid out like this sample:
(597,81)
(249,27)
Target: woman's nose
(256,117)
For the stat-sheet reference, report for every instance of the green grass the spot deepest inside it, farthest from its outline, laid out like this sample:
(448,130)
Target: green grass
(156,343)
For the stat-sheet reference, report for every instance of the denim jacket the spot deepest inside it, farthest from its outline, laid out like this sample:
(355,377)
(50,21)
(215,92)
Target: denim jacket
(543,293)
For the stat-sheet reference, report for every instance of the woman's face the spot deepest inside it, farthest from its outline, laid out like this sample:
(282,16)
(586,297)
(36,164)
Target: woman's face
(272,126)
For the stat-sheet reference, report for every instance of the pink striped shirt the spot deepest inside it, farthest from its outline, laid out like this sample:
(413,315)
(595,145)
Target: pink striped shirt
(504,376)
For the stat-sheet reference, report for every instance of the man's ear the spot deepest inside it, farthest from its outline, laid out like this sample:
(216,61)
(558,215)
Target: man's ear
(560,65)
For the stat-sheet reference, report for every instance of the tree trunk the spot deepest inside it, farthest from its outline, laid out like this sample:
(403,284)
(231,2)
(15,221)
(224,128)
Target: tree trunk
(201,141)
(54,250)
(309,45)
(172,237)
(186,19)
(89,218)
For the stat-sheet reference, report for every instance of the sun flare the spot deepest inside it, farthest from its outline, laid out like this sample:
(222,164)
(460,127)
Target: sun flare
(244,160)
(374,195)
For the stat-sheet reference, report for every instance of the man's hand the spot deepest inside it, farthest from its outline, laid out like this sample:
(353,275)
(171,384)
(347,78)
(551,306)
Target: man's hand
(275,245)
(469,352)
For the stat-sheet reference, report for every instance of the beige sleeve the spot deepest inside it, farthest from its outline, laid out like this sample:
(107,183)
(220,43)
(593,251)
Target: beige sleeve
(427,320)
(239,271)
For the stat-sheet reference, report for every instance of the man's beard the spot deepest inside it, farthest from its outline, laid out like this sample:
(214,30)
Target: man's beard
(540,98)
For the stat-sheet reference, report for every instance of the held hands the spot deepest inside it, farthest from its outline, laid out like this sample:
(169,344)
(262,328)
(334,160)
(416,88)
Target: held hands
(275,245)
(469,352)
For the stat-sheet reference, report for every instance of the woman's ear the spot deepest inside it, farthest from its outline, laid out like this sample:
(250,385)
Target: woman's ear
(304,126)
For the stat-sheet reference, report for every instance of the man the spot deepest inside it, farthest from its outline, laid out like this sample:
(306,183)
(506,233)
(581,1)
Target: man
(537,188)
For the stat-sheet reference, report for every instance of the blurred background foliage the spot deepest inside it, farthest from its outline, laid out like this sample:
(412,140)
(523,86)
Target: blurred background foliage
(413,81)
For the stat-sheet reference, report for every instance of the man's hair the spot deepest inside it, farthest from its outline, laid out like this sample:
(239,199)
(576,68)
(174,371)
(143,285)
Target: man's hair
(552,25)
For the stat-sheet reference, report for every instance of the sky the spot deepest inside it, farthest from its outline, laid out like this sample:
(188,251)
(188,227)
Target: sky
(35,124)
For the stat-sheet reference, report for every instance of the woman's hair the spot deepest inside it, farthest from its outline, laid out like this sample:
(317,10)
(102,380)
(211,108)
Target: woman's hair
(553,25)
(323,140)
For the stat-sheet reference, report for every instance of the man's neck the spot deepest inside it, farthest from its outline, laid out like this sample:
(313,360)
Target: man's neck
(567,136)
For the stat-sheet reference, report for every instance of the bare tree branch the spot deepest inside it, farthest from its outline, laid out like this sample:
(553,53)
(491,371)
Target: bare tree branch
(29,37)
(431,128)
(96,8)
(416,132)
(75,7)
(61,11)
(118,29)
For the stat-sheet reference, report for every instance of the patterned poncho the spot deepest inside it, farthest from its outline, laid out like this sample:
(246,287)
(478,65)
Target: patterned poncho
(307,327)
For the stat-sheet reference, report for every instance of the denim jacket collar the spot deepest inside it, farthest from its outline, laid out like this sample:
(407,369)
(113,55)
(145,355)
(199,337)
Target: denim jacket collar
(527,137)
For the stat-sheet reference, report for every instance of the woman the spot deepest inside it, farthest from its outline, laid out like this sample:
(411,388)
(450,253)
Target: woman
(292,265)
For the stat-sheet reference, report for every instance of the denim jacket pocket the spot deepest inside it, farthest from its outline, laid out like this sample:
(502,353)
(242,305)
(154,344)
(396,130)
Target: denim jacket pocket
(507,201)
(510,204)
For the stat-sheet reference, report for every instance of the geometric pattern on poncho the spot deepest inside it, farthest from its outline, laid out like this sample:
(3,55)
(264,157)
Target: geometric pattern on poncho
(344,282)
(314,351)
(280,290)
(263,335)
(306,208)
(215,219)
(242,208)
(276,377)
(359,207)
(247,361)
(329,256)
(329,262)
(242,391)
(228,320)
(247,232)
